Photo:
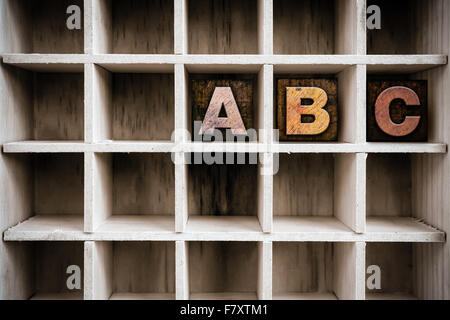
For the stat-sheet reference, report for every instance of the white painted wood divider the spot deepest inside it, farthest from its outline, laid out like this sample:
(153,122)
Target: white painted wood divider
(88,178)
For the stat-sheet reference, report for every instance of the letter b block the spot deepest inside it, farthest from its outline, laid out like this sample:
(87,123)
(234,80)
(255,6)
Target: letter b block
(307,109)
(396,111)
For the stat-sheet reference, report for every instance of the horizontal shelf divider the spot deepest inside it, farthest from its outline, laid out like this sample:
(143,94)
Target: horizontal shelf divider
(168,146)
(161,228)
(225,63)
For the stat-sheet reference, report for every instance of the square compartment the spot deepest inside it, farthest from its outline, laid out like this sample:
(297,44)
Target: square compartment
(47,106)
(397,267)
(48,262)
(315,192)
(304,270)
(223,270)
(222,27)
(304,27)
(142,270)
(407,27)
(39,26)
(223,197)
(143,184)
(142,106)
(389,185)
(135,27)
(304,186)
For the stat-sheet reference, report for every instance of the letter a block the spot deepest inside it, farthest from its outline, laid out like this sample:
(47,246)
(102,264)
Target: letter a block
(222,104)
(307,109)
(396,111)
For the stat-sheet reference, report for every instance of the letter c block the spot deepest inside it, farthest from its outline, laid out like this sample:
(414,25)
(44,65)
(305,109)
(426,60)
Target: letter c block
(397,111)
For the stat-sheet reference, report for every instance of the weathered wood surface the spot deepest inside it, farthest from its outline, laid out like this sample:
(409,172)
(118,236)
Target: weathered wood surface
(222,27)
(302,123)
(402,111)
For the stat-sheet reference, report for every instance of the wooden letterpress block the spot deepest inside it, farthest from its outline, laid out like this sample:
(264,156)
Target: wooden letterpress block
(221,104)
(307,109)
(397,110)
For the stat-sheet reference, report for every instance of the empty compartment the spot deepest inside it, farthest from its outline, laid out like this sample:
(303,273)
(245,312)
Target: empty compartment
(223,270)
(303,271)
(143,270)
(406,27)
(316,192)
(315,270)
(392,270)
(223,27)
(134,27)
(304,27)
(56,270)
(304,185)
(134,106)
(223,197)
(143,184)
(51,186)
(142,106)
(48,106)
(389,185)
(42,26)
(133,189)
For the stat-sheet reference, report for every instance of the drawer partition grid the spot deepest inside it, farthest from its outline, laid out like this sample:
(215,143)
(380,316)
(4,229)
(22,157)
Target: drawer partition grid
(97,137)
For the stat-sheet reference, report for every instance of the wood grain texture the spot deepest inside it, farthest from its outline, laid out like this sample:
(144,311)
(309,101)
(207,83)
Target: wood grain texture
(303,27)
(222,190)
(302,267)
(329,86)
(398,110)
(143,106)
(58,106)
(223,267)
(143,184)
(50,33)
(389,185)
(51,260)
(143,267)
(142,26)
(396,263)
(58,184)
(202,90)
(304,185)
(222,27)
(398,18)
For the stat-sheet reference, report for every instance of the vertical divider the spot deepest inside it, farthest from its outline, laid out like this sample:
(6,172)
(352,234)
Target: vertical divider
(361,27)
(265,27)
(182,270)
(361,180)
(350,31)
(97,189)
(101,26)
(98,167)
(348,264)
(181,26)
(98,269)
(361,109)
(264,290)
(88,26)
(265,124)
(180,137)
(347,179)
(360,270)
